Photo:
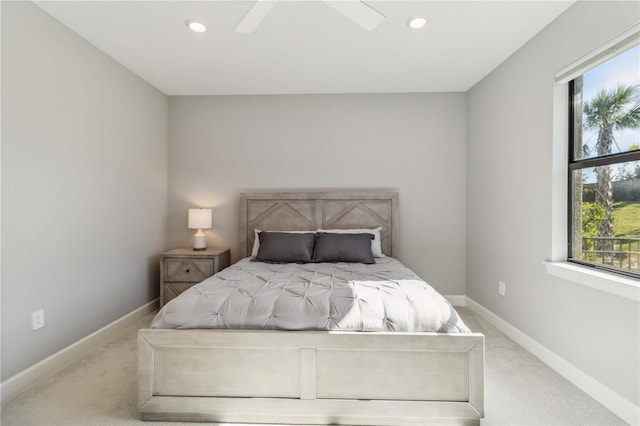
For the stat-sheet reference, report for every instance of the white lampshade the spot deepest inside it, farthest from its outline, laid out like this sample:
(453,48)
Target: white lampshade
(200,218)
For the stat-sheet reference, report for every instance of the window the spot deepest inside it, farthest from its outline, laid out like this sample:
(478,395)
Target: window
(604,165)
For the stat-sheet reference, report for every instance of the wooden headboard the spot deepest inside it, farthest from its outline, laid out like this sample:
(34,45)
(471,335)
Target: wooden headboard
(308,211)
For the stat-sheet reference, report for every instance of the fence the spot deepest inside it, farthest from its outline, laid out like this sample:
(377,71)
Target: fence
(623,253)
(623,190)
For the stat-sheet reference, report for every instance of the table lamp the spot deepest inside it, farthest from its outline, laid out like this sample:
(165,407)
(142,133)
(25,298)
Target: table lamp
(200,219)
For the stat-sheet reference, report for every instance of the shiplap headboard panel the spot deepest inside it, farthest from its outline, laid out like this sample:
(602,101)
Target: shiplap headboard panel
(308,211)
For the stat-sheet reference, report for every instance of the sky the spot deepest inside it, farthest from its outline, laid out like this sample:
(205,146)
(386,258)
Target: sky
(624,69)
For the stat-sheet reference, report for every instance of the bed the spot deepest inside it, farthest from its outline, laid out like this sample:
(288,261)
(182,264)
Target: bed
(312,377)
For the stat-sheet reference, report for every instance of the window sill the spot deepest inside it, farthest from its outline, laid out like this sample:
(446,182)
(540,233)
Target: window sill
(626,287)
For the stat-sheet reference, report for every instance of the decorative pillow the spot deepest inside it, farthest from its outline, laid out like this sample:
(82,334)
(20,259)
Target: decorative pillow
(256,240)
(376,243)
(334,247)
(285,247)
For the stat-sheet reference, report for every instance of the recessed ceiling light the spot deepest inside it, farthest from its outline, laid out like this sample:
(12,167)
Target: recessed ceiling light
(195,26)
(417,22)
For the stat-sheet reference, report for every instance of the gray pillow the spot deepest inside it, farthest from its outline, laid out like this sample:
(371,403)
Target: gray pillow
(355,248)
(284,247)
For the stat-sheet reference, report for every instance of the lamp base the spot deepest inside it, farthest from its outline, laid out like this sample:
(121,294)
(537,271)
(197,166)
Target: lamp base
(199,241)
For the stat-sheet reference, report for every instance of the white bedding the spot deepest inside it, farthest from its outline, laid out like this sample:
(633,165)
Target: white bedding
(385,296)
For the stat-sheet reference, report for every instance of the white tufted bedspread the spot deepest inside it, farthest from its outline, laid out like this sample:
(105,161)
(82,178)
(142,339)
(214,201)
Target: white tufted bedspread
(386,296)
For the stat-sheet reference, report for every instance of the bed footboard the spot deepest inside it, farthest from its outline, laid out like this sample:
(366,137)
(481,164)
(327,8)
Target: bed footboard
(311,377)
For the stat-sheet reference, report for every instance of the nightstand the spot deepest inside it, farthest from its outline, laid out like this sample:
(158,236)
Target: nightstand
(182,268)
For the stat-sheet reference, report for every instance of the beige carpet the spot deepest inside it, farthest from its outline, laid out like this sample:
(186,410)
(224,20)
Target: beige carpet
(100,389)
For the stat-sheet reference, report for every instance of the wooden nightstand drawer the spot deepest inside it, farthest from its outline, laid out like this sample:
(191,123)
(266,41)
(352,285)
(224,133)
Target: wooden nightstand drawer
(187,270)
(183,268)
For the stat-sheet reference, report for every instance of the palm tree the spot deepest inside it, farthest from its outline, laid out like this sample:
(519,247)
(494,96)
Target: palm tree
(616,109)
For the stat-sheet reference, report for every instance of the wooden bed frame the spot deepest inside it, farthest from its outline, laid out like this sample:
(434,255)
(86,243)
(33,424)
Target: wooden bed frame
(312,377)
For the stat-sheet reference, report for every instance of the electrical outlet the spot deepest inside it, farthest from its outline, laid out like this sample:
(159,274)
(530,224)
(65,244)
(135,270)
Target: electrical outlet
(502,288)
(37,319)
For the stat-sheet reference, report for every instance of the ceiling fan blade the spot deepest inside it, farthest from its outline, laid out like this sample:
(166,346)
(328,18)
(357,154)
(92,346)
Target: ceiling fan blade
(359,12)
(255,15)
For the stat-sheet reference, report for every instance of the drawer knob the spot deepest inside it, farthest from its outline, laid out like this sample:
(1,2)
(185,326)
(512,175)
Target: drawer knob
(187,271)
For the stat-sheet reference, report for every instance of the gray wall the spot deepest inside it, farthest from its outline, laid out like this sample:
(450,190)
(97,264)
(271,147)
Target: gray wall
(509,210)
(84,183)
(221,146)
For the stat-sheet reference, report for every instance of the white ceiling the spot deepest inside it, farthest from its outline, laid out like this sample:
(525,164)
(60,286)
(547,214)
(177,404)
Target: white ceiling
(307,46)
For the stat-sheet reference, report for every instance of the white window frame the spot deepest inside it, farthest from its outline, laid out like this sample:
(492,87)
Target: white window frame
(557,265)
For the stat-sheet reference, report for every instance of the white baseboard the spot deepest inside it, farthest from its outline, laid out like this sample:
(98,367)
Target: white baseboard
(45,368)
(457,299)
(620,406)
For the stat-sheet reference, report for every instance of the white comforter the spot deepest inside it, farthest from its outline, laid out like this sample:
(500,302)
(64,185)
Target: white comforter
(386,296)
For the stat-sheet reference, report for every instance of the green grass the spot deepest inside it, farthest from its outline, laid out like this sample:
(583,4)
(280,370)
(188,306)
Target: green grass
(626,220)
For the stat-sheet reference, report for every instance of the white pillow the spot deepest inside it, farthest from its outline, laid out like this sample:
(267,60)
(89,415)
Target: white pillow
(256,239)
(376,243)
